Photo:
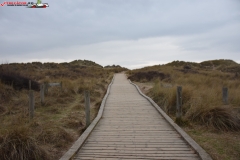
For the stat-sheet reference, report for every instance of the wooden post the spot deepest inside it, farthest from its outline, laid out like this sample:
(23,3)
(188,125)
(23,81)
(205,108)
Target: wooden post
(179,102)
(31,104)
(45,88)
(42,94)
(225,95)
(30,87)
(87,107)
(61,85)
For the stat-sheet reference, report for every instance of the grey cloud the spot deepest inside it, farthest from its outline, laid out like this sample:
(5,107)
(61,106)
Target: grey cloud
(68,24)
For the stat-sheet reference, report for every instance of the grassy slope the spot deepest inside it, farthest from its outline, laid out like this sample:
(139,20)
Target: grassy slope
(60,120)
(212,124)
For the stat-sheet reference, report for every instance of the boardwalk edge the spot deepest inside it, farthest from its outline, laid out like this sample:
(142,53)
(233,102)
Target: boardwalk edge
(79,143)
(200,151)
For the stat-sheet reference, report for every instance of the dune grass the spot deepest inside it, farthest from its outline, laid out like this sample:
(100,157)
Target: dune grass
(202,106)
(60,120)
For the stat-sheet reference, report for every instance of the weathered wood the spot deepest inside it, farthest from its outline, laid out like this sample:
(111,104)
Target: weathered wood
(54,84)
(61,85)
(116,154)
(179,102)
(45,88)
(30,87)
(31,104)
(87,107)
(180,146)
(42,94)
(133,158)
(139,152)
(225,95)
(133,148)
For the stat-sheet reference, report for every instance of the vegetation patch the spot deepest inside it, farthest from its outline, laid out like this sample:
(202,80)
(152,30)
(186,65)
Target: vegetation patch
(204,114)
(220,118)
(148,76)
(17,143)
(17,81)
(60,119)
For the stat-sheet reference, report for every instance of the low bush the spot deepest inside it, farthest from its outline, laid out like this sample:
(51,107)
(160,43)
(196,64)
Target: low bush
(17,143)
(17,81)
(147,76)
(54,135)
(220,118)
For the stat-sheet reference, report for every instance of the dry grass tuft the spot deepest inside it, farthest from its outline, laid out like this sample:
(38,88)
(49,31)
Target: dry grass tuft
(147,76)
(54,135)
(2,109)
(79,106)
(220,118)
(54,110)
(6,92)
(74,124)
(18,144)
(18,81)
(164,97)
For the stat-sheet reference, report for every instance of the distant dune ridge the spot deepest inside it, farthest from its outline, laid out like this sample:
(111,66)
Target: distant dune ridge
(16,74)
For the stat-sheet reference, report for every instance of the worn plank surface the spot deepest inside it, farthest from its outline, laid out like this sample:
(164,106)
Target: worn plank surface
(131,128)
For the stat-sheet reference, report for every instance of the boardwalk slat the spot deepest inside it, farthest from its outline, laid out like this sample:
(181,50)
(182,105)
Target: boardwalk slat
(128,158)
(142,146)
(95,148)
(137,154)
(141,152)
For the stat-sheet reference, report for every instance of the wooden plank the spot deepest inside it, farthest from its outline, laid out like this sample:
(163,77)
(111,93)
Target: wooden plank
(137,136)
(158,128)
(87,107)
(163,145)
(116,121)
(137,154)
(133,129)
(172,148)
(132,152)
(130,134)
(129,124)
(134,138)
(170,141)
(139,140)
(136,141)
(54,84)
(135,125)
(131,158)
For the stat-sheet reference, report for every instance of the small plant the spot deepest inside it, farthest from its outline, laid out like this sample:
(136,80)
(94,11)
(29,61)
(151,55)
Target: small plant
(220,118)
(17,81)
(148,76)
(18,144)
(181,122)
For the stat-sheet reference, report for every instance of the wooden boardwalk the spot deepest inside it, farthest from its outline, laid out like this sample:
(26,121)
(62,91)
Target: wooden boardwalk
(132,128)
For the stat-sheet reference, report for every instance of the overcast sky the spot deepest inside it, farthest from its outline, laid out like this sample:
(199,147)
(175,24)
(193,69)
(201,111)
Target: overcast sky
(131,33)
